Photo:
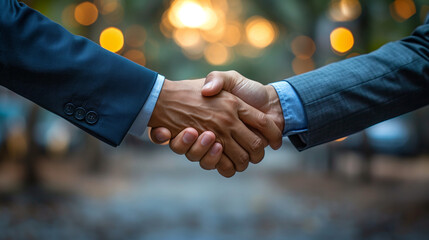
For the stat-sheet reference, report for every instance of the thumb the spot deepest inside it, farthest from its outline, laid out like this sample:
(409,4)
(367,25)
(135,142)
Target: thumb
(218,81)
(212,86)
(160,135)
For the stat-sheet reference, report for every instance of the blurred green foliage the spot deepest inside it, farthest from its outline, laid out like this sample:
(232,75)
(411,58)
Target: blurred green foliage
(374,27)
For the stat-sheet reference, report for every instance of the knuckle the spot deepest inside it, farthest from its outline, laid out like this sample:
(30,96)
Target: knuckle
(212,74)
(262,120)
(257,145)
(233,72)
(227,120)
(242,162)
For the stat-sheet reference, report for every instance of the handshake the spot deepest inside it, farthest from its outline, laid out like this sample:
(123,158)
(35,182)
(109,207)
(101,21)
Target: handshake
(223,122)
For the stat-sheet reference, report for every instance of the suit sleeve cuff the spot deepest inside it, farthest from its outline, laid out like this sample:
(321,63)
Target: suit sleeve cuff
(293,111)
(140,124)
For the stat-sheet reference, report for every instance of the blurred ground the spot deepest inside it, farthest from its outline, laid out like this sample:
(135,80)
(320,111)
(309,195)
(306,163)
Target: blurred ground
(154,194)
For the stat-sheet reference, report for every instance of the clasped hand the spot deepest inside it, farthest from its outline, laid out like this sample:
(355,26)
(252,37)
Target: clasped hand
(232,126)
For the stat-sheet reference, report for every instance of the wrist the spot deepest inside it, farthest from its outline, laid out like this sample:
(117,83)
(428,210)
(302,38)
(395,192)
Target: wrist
(157,111)
(275,108)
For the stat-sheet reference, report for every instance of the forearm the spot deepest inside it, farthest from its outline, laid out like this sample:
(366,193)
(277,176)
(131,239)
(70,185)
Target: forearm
(348,96)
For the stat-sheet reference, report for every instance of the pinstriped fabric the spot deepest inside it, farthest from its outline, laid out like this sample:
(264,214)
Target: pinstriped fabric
(348,96)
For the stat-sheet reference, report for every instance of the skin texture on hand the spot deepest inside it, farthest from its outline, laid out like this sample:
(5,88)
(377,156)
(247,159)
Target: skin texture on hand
(180,104)
(264,98)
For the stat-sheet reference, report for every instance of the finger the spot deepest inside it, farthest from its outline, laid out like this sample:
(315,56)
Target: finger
(265,143)
(159,135)
(218,81)
(251,142)
(212,158)
(260,121)
(225,167)
(236,154)
(201,146)
(183,141)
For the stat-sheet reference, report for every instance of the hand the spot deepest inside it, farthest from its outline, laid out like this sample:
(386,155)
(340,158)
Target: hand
(262,97)
(181,104)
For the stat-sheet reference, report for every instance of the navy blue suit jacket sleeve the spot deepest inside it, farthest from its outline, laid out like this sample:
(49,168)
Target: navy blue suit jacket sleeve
(348,96)
(98,91)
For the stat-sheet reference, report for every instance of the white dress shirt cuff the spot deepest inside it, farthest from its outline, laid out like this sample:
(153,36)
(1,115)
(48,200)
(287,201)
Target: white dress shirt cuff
(140,124)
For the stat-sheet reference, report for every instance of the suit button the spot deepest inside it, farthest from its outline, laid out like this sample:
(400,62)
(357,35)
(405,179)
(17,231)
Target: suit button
(69,109)
(91,117)
(80,113)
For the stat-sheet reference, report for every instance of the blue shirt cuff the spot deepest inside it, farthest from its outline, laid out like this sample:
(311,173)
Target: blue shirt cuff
(293,111)
(140,124)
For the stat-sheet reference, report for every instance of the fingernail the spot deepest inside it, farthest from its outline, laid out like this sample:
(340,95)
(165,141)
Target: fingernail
(215,149)
(188,138)
(206,140)
(160,137)
(208,86)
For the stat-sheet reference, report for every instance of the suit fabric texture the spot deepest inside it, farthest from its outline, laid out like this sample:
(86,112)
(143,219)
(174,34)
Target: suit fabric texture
(96,90)
(345,97)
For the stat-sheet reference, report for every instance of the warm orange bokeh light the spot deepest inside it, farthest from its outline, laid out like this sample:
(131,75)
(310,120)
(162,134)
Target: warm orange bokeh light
(112,39)
(216,34)
(401,10)
(342,40)
(260,32)
(86,13)
(216,54)
(300,66)
(303,47)
(136,56)
(190,14)
(232,35)
(345,10)
(187,37)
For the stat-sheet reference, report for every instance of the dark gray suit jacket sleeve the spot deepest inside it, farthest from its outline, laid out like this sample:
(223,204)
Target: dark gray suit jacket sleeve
(348,96)
(96,90)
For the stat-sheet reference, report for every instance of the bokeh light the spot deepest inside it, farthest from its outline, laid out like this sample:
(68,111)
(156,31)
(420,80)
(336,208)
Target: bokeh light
(232,35)
(303,47)
(345,10)
(188,13)
(187,37)
(86,13)
(112,39)
(107,6)
(342,40)
(136,56)
(402,10)
(216,34)
(300,66)
(260,32)
(216,54)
